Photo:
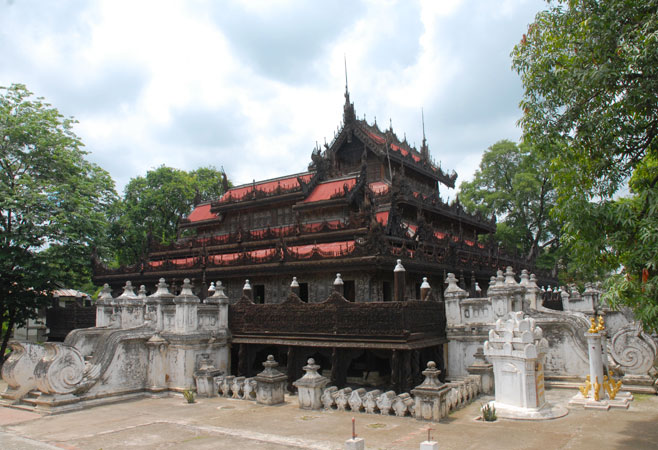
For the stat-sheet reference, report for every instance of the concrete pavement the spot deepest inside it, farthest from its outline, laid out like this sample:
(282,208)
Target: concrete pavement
(221,423)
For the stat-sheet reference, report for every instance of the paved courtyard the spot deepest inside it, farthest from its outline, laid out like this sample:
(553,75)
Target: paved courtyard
(231,424)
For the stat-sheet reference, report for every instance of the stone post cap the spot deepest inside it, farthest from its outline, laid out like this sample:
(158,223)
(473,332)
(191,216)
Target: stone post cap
(453,288)
(525,276)
(186,295)
(311,378)
(271,374)
(218,296)
(477,287)
(431,383)
(294,283)
(270,363)
(425,284)
(532,282)
(128,291)
(105,296)
(399,267)
(162,290)
(338,281)
(247,286)
(509,276)
(142,292)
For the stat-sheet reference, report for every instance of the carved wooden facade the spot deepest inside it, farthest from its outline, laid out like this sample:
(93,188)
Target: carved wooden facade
(367,199)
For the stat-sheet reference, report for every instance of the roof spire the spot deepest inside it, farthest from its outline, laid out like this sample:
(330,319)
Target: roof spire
(347,91)
(348,110)
(424,150)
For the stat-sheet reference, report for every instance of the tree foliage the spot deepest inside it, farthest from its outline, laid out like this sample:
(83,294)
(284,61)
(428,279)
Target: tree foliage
(53,205)
(513,183)
(590,72)
(153,206)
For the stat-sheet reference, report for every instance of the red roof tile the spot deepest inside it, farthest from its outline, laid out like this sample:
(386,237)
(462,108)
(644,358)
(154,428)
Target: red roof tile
(382,217)
(201,212)
(324,191)
(375,137)
(288,183)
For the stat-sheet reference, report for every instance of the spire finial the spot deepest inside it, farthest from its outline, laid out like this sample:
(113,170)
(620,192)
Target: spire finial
(345,60)
(422,115)
(424,151)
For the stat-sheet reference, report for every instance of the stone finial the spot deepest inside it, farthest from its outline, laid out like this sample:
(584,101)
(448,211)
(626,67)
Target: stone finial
(106,293)
(270,363)
(509,276)
(478,289)
(338,281)
(294,283)
(399,267)
(500,278)
(431,374)
(492,281)
(524,278)
(161,289)
(186,289)
(452,284)
(128,290)
(533,281)
(247,291)
(218,296)
(142,292)
(211,288)
(425,289)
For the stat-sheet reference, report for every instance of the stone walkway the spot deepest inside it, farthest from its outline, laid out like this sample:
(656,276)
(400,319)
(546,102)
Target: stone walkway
(231,424)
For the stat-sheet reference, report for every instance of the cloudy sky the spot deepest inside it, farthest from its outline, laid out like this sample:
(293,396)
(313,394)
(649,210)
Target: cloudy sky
(252,85)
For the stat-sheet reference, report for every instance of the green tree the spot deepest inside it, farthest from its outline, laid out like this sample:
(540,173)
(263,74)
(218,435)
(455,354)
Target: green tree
(513,183)
(590,72)
(53,206)
(154,205)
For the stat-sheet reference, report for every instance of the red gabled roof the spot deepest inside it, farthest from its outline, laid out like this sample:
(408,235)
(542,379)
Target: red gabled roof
(375,137)
(324,191)
(201,212)
(287,183)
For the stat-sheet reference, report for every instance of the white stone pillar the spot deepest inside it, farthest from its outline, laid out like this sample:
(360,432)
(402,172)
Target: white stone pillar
(155,302)
(104,306)
(220,299)
(453,296)
(270,384)
(156,372)
(309,387)
(595,367)
(131,308)
(186,309)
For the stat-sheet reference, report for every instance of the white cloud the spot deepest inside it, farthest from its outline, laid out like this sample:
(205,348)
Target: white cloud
(252,86)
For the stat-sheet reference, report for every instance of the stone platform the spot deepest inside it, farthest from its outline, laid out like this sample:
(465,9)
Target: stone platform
(220,423)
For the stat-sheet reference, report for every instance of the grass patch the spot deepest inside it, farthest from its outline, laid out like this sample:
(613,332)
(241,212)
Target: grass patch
(376,425)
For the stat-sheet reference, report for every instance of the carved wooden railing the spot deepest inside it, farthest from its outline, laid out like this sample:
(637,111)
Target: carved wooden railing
(338,317)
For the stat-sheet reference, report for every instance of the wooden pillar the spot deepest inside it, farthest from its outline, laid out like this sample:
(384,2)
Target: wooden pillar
(407,374)
(291,368)
(395,370)
(243,361)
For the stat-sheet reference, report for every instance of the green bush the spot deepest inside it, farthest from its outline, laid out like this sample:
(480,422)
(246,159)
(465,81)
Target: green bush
(189,395)
(488,413)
